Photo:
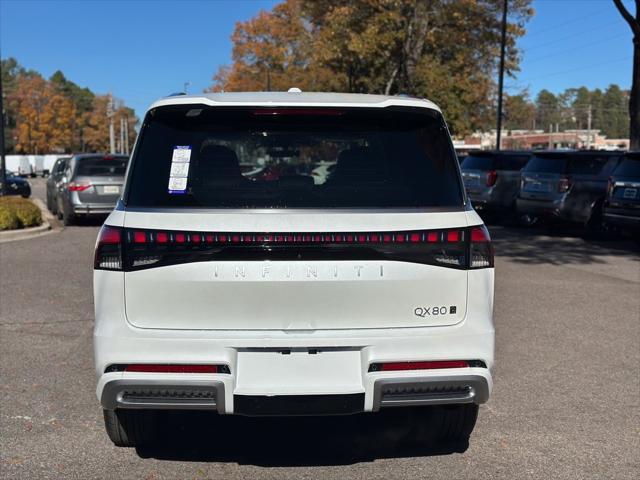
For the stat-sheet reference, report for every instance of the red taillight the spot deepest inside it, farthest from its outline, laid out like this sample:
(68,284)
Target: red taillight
(396,366)
(564,184)
(108,254)
(492,176)
(78,187)
(460,248)
(480,235)
(171,368)
(480,249)
(139,237)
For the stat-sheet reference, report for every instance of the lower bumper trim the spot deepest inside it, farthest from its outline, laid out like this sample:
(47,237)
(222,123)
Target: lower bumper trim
(406,392)
(160,394)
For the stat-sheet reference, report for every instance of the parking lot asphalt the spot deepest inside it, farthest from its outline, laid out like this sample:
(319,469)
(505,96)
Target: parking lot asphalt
(565,403)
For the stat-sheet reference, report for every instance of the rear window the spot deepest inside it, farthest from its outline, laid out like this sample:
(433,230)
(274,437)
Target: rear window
(478,163)
(546,165)
(629,168)
(101,166)
(513,162)
(587,164)
(194,156)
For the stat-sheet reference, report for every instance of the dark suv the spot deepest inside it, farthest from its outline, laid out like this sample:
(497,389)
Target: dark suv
(90,186)
(492,178)
(570,186)
(622,205)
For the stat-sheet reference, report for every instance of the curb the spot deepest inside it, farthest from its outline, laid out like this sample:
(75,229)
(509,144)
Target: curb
(25,233)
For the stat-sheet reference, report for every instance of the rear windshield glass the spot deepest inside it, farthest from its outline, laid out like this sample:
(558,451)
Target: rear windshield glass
(101,166)
(478,163)
(194,156)
(629,168)
(546,165)
(498,162)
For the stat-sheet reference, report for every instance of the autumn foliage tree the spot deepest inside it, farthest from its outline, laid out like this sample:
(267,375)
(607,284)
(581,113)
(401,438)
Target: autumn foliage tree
(441,49)
(56,115)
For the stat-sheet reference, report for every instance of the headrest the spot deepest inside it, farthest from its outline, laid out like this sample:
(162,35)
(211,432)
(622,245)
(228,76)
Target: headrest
(220,159)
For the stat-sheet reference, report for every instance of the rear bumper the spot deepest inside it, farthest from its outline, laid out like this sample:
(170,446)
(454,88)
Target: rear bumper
(622,217)
(486,201)
(86,209)
(446,386)
(543,208)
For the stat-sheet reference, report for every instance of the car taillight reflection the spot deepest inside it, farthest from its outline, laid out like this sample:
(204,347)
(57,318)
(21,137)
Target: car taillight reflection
(564,184)
(492,176)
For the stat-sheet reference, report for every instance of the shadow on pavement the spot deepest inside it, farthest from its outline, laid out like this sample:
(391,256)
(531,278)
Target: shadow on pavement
(557,246)
(293,441)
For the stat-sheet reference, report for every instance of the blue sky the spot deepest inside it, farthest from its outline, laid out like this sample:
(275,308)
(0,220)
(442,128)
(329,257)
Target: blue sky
(142,50)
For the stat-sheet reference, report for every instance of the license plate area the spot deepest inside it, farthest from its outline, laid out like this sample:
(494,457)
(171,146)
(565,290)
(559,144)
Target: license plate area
(630,193)
(297,405)
(299,372)
(110,190)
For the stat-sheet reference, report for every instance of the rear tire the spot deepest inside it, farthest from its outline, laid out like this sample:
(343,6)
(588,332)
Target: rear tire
(526,220)
(130,428)
(68,219)
(596,229)
(454,423)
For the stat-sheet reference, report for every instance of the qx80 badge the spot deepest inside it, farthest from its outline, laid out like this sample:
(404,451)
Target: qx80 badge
(434,311)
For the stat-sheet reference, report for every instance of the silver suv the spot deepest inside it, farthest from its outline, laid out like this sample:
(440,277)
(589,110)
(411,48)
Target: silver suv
(90,186)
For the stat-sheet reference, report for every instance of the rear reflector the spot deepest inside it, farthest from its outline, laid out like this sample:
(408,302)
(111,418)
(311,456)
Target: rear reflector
(174,368)
(396,366)
(126,249)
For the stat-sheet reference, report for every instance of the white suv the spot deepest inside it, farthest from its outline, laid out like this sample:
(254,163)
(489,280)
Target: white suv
(234,277)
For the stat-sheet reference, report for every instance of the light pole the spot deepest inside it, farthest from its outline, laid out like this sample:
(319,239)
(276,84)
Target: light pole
(503,40)
(186,84)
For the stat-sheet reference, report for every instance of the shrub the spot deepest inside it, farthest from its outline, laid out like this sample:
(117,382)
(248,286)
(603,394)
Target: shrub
(28,214)
(16,212)
(8,218)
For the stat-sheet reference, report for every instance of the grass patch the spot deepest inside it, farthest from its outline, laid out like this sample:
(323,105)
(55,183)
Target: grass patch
(17,212)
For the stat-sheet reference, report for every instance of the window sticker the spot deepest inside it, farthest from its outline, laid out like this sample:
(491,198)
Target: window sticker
(179,170)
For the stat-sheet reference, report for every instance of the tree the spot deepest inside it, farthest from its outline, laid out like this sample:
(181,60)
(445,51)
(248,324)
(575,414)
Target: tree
(614,102)
(445,50)
(519,112)
(43,116)
(547,110)
(634,98)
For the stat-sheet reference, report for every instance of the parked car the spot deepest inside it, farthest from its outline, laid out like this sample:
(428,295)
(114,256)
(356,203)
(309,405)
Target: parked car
(492,178)
(16,185)
(280,296)
(570,186)
(622,206)
(54,183)
(90,186)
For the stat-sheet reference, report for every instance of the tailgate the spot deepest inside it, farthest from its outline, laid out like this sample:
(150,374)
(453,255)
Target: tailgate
(333,292)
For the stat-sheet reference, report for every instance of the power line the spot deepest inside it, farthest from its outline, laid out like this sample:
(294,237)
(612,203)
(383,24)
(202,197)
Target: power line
(573,20)
(583,67)
(579,47)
